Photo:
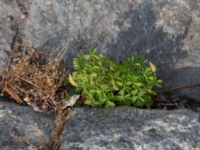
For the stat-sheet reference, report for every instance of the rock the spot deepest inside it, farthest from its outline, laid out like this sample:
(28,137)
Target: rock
(121,128)
(22,128)
(126,128)
(8,29)
(165,32)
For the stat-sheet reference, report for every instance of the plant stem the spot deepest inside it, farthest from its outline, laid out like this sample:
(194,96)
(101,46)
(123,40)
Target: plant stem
(178,87)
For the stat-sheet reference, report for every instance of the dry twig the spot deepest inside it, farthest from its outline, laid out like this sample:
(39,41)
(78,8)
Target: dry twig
(178,87)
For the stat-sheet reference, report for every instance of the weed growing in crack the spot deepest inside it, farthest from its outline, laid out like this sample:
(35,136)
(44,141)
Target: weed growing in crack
(106,83)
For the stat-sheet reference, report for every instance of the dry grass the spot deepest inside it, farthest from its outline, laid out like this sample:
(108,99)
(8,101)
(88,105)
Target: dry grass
(34,81)
(56,136)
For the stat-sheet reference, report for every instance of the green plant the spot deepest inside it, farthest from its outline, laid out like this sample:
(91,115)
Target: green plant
(106,83)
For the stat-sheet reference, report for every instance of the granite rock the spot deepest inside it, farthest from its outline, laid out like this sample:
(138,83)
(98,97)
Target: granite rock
(21,128)
(10,14)
(166,32)
(121,128)
(126,128)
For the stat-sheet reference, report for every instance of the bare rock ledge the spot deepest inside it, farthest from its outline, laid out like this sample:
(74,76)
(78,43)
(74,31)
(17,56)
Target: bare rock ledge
(121,128)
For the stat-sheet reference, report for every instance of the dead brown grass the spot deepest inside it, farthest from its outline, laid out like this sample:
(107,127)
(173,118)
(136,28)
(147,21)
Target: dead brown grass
(34,81)
(56,136)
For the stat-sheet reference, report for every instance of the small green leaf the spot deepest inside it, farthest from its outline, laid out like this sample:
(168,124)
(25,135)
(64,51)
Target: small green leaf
(122,92)
(138,84)
(159,81)
(134,98)
(110,104)
(134,92)
(71,80)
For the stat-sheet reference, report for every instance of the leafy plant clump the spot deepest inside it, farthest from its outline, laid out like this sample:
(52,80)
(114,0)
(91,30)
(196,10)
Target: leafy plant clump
(106,83)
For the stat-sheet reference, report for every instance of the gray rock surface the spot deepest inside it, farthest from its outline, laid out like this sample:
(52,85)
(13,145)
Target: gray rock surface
(167,32)
(9,17)
(122,128)
(21,128)
(126,128)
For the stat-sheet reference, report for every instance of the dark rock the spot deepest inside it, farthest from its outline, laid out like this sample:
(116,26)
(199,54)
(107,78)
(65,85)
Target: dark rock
(22,128)
(126,128)
(10,13)
(120,128)
(165,32)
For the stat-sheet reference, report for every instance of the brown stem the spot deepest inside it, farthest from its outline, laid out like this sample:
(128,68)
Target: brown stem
(31,83)
(178,87)
(56,136)
(12,94)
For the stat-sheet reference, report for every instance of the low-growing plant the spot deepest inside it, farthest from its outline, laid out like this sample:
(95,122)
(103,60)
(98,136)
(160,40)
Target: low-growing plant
(106,83)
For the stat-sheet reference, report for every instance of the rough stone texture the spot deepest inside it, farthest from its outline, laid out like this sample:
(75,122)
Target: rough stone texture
(126,128)
(10,13)
(122,128)
(21,128)
(167,32)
